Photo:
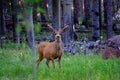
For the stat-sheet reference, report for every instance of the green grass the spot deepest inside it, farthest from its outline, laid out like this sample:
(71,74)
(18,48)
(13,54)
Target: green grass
(16,64)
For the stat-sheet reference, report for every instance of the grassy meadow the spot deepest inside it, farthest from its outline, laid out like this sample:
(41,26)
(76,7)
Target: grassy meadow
(16,64)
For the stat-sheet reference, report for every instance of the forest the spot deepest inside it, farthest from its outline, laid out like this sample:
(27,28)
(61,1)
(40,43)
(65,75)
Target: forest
(59,39)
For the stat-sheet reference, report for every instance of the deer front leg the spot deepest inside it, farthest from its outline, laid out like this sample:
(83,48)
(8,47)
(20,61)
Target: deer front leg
(59,62)
(53,63)
(47,63)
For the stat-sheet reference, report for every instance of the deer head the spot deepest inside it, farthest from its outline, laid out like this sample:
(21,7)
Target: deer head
(57,33)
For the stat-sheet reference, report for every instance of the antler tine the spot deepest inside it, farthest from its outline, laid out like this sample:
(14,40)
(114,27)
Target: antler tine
(64,29)
(51,29)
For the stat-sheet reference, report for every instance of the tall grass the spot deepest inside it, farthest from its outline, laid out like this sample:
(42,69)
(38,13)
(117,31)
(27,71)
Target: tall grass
(16,64)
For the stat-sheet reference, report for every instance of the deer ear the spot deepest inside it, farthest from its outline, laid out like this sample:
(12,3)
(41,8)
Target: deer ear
(64,29)
(51,29)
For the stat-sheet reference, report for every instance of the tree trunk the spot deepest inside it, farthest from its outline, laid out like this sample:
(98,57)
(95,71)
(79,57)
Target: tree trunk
(115,6)
(30,35)
(118,5)
(30,27)
(88,12)
(100,16)
(105,20)
(68,19)
(2,21)
(0,25)
(108,16)
(55,14)
(49,9)
(16,34)
(59,13)
(0,37)
(43,15)
(3,24)
(78,10)
(95,24)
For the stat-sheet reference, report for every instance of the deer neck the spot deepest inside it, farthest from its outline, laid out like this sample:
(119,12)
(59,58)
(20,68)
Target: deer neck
(58,45)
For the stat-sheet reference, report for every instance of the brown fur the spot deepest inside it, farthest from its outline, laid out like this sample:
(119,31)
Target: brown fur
(51,50)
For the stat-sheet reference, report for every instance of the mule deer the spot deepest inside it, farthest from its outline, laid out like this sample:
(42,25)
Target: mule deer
(51,50)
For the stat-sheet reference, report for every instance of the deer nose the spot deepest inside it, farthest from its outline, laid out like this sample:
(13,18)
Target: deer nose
(58,35)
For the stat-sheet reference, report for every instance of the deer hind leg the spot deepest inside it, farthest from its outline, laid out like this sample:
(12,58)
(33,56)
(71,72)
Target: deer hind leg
(39,60)
(47,63)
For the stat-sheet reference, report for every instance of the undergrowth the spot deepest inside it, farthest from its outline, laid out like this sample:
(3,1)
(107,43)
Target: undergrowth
(16,64)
